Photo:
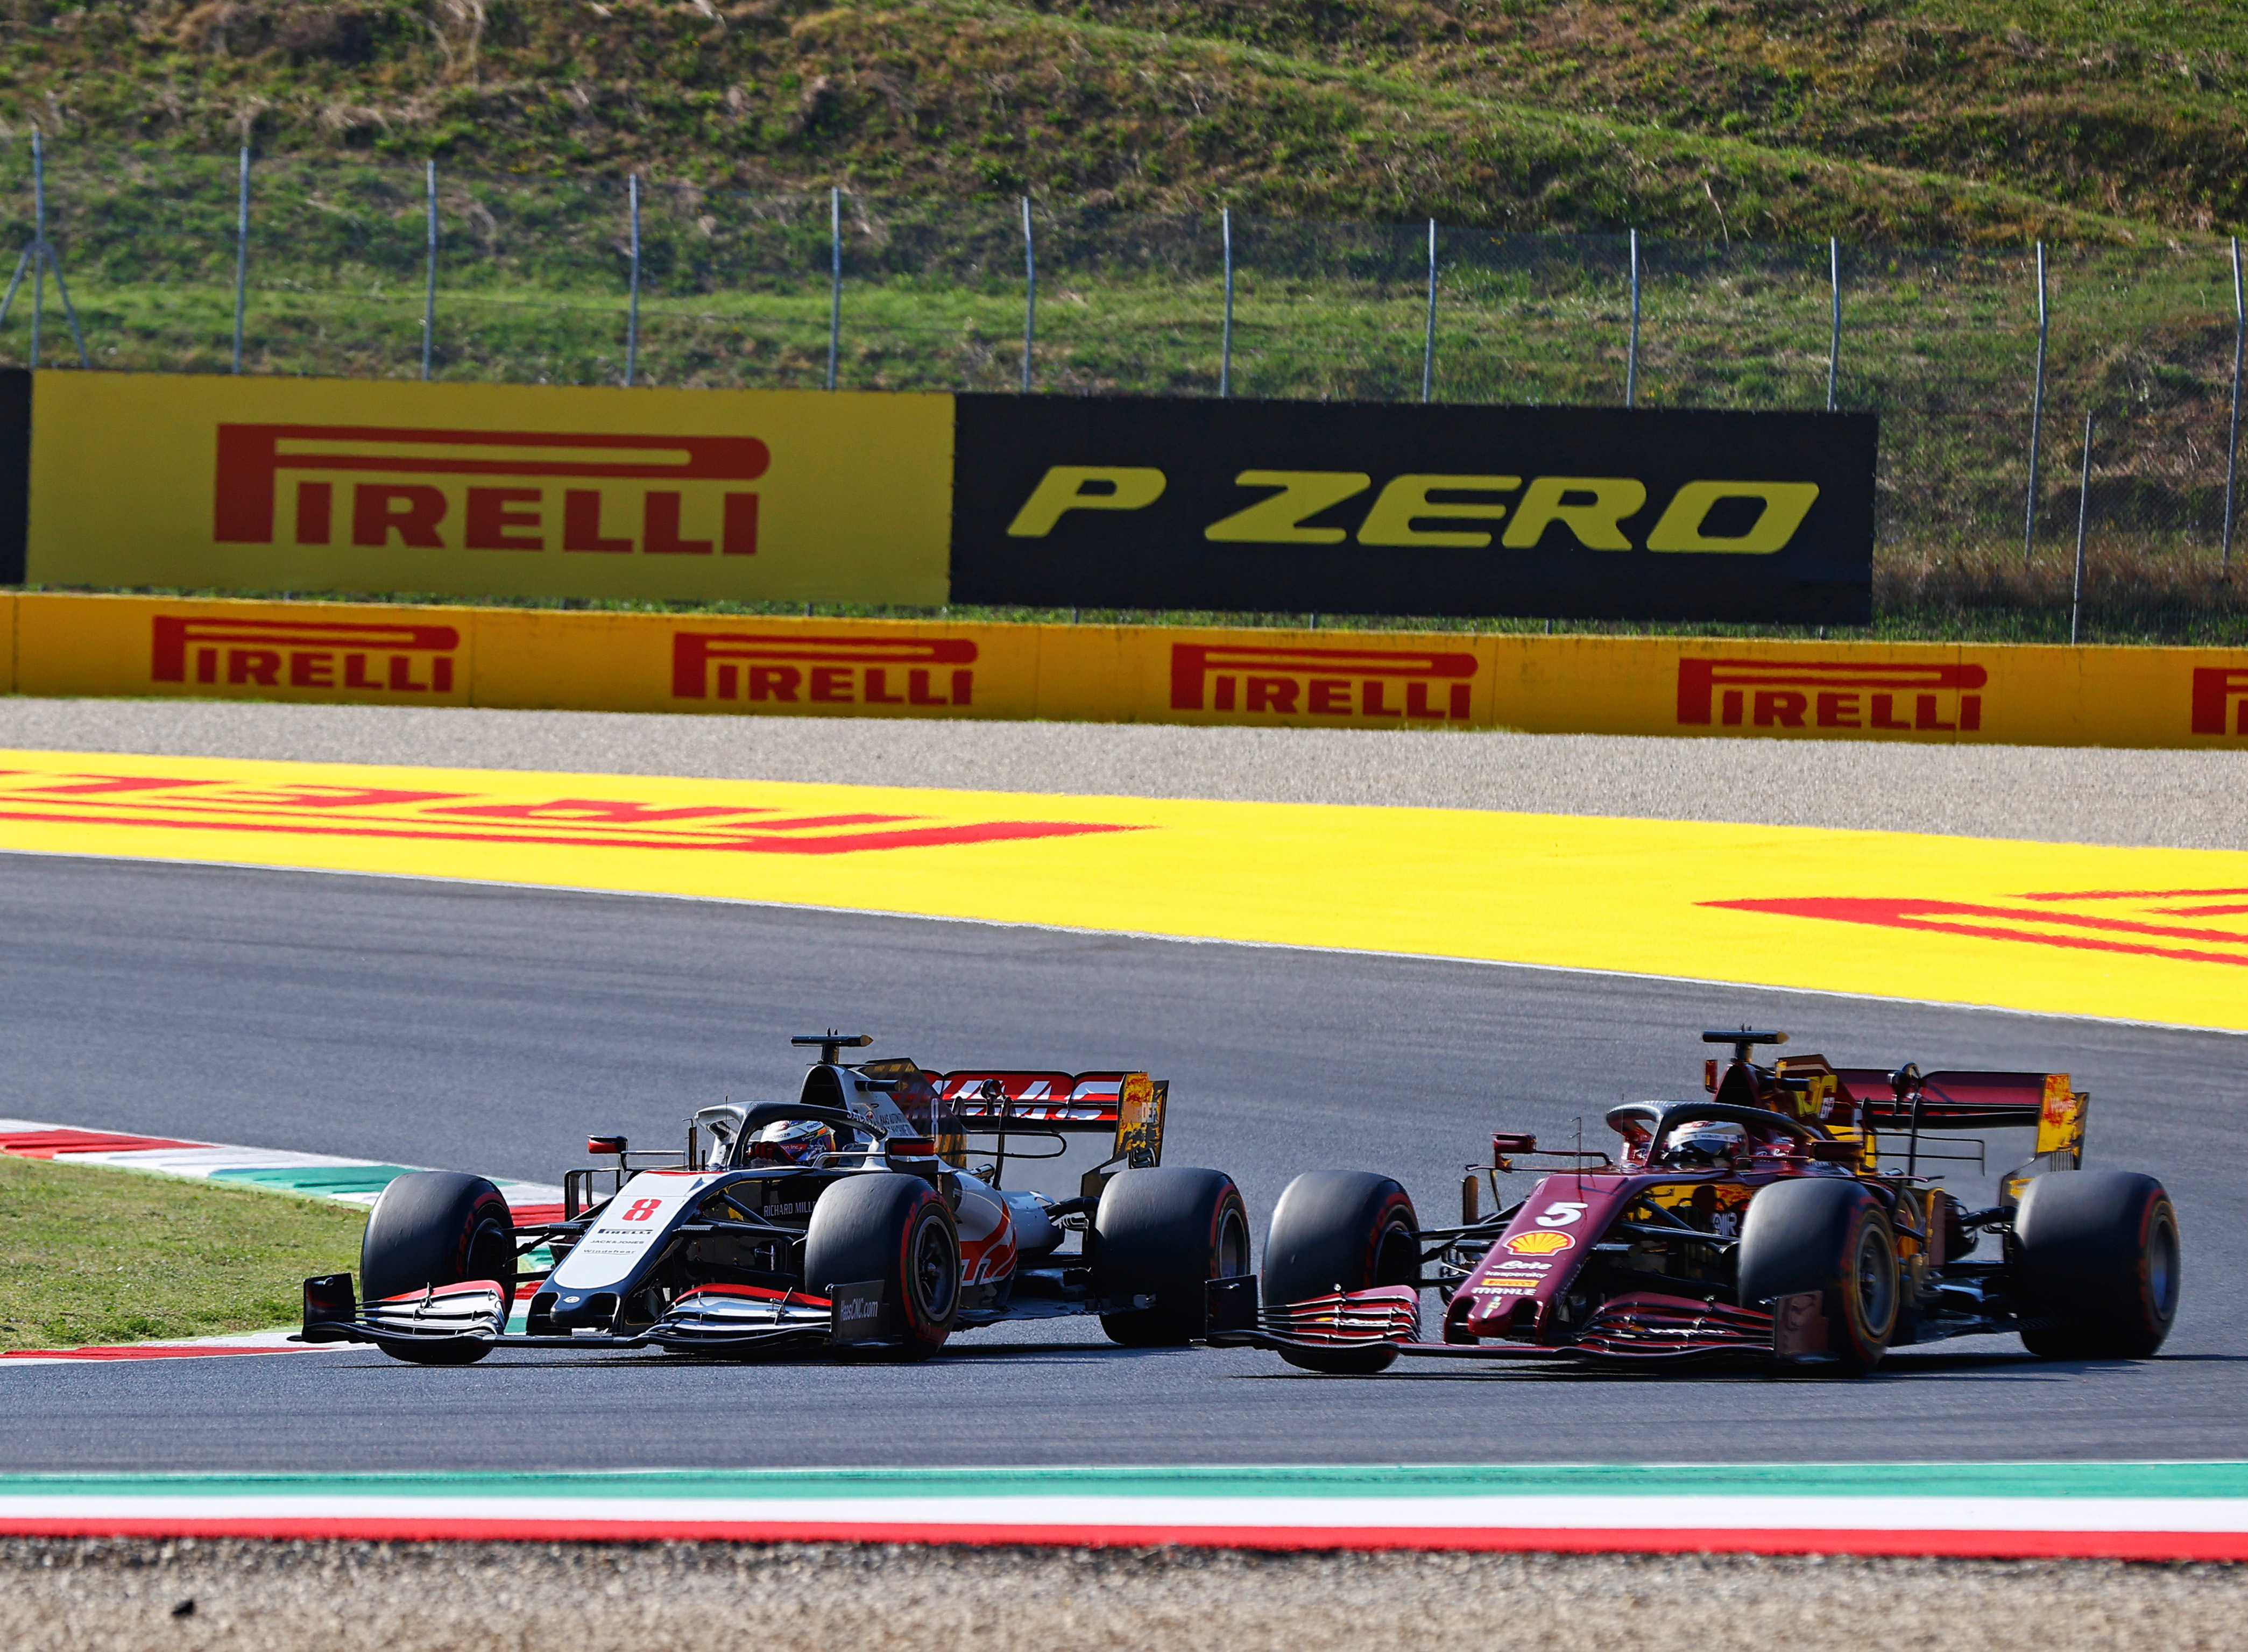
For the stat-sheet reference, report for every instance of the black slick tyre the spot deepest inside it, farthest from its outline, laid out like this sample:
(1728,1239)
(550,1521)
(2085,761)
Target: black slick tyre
(2097,1251)
(437,1227)
(1166,1234)
(896,1230)
(1339,1230)
(1830,1235)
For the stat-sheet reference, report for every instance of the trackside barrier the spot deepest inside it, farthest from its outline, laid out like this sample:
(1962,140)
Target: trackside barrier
(56,644)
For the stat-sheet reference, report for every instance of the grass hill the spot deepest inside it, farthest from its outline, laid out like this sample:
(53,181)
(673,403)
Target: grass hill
(1884,121)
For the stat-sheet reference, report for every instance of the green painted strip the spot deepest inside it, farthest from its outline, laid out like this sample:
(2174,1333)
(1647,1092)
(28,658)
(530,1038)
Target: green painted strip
(2064,1480)
(319,1179)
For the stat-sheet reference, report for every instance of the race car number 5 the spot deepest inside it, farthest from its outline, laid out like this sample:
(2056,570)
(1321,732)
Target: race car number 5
(1561,1214)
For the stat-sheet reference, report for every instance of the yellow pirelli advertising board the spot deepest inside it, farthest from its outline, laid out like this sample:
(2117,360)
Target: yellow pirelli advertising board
(489,489)
(718,665)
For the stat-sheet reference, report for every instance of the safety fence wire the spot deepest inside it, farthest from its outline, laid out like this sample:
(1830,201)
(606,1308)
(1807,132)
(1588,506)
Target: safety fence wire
(739,289)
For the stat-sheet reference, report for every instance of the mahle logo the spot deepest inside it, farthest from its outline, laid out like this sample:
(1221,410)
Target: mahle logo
(1756,518)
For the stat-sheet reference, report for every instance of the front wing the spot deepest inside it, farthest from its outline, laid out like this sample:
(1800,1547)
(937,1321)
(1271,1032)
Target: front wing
(1641,1327)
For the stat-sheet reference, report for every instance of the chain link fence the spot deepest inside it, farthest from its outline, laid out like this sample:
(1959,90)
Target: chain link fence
(355,269)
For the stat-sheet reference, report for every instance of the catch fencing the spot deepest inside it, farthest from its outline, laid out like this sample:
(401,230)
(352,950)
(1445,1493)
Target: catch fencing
(2059,427)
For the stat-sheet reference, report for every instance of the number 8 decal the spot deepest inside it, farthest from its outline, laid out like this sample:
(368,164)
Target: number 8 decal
(643,1209)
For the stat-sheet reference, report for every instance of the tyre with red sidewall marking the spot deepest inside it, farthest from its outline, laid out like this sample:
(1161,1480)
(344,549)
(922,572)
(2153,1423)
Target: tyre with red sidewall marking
(437,1227)
(899,1230)
(1830,1235)
(1166,1234)
(1339,1230)
(2096,1250)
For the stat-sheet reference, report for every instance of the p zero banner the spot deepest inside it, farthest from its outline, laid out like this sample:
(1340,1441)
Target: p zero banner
(1254,506)
(311,484)
(719,665)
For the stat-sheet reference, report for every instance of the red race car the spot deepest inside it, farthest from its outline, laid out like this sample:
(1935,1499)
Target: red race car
(1785,1216)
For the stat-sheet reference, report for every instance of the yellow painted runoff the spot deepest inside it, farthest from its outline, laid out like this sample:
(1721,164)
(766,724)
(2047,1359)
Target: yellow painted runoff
(2152,935)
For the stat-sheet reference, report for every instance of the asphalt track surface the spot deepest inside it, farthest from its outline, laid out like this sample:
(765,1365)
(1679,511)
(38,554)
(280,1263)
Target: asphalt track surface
(490,1028)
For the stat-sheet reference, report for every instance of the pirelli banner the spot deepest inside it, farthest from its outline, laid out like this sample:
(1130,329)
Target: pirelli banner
(56,644)
(313,485)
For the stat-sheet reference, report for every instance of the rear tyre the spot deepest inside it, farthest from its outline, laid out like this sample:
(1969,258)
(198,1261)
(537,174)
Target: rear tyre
(2097,1250)
(899,1230)
(1339,1230)
(1166,1234)
(437,1227)
(1830,1235)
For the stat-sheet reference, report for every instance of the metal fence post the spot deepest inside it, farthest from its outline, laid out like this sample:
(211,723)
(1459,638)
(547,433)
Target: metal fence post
(1631,361)
(1428,342)
(54,263)
(834,281)
(241,255)
(2233,440)
(38,240)
(1030,294)
(632,306)
(2036,416)
(1834,337)
(2083,508)
(429,293)
(1225,339)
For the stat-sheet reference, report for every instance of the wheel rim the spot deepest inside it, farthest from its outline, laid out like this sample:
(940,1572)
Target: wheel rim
(491,1253)
(2162,1267)
(1874,1279)
(935,1269)
(1232,1256)
(1397,1258)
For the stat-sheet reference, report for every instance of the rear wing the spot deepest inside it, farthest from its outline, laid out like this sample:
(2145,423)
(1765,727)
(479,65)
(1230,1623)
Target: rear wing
(1129,1107)
(2045,1102)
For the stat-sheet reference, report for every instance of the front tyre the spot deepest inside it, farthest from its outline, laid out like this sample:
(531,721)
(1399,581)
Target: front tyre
(1339,1230)
(437,1227)
(2097,1258)
(1166,1234)
(896,1230)
(1830,1235)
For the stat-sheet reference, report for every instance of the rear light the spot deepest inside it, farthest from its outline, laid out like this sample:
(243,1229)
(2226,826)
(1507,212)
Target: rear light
(605,1144)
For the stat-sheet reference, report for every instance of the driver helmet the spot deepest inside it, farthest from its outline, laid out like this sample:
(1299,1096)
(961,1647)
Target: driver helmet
(798,1141)
(1707,1141)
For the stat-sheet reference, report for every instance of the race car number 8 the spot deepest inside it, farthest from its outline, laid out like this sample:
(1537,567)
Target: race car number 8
(643,1209)
(1561,1214)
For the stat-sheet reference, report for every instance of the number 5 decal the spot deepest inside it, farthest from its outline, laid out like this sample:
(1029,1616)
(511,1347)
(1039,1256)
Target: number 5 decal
(1561,1214)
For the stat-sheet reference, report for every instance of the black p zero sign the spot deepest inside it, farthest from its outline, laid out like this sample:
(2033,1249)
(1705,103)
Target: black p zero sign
(1357,508)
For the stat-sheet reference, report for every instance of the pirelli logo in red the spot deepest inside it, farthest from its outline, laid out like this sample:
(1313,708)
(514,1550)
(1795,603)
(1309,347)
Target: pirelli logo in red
(486,489)
(304,654)
(800,670)
(1359,684)
(2220,700)
(1797,694)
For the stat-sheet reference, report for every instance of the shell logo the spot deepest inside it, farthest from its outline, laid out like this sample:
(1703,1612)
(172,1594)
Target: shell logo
(1541,1244)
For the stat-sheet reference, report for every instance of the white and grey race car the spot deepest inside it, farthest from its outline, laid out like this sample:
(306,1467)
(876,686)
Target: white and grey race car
(847,1217)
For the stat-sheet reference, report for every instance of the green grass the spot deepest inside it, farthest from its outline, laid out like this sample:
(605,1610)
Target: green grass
(1886,119)
(90,1256)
